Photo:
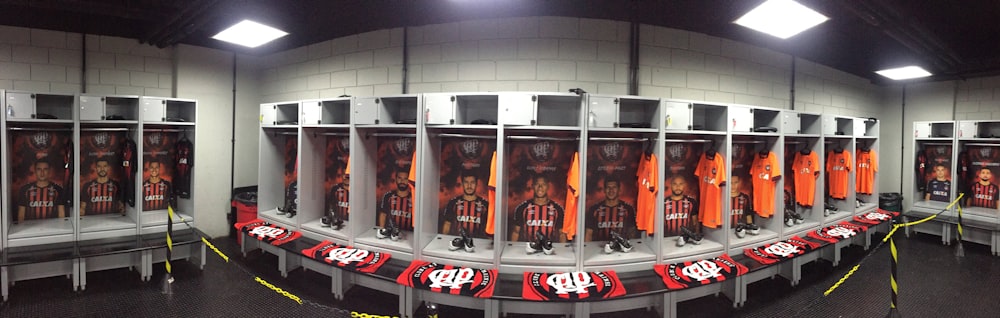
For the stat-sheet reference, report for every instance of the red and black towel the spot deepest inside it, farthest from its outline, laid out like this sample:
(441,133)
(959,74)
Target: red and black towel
(775,252)
(347,257)
(267,232)
(697,273)
(838,232)
(449,279)
(876,217)
(573,286)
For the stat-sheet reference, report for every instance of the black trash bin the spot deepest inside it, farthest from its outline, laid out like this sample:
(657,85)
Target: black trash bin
(890,201)
(244,207)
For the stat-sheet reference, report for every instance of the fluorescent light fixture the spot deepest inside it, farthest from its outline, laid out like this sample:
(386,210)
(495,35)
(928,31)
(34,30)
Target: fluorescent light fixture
(249,34)
(781,18)
(903,73)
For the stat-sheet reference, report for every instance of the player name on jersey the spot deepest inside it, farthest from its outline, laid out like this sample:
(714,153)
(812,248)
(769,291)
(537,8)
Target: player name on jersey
(347,257)
(449,279)
(696,273)
(775,252)
(838,232)
(267,232)
(571,286)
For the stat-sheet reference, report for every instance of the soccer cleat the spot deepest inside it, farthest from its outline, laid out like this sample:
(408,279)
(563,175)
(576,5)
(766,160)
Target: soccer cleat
(470,246)
(388,230)
(789,217)
(463,241)
(621,242)
(532,247)
(610,247)
(337,223)
(798,218)
(456,243)
(753,229)
(544,243)
(680,241)
(325,221)
(282,212)
(395,235)
(741,230)
(692,237)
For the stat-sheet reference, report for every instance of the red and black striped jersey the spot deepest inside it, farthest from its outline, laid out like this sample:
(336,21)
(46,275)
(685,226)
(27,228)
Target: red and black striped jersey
(101,198)
(546,218)
(346,257)
(41,202)
(876,217)
(267,232)
(985,195)
(400,209)
(838,232)
(678,214)
(739,207)
(697,273)
(447,279)
(130,169)
(571,286)
(156,195)
(184,151)
(469,215)
(775,252)
(603,220)
(963,171)
(340,201)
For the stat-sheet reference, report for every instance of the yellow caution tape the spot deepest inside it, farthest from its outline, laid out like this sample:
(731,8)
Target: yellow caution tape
(278,290)
(356,314)
(217,251)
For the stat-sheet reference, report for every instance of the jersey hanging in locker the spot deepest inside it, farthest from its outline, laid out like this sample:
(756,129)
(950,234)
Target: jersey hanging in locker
(764,171)
(185,161)
(572,195)
(711,173)
(806,168)
(838,166)
(130,169)
(867,167)
(646,200)
(491,194)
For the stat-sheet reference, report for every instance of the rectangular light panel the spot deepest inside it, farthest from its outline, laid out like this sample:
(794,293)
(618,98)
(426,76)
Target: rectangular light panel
(781,18)
(249,34)
(903,73)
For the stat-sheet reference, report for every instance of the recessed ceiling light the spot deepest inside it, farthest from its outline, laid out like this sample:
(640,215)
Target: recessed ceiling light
(249,34)
(781,18)
(903,73)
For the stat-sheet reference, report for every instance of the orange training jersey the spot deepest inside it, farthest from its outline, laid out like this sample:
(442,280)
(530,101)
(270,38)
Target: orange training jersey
(763,172)
(867,167)
(491,195)
(806,169)
(646,202)
(572,194)
(711,174)
(838,166)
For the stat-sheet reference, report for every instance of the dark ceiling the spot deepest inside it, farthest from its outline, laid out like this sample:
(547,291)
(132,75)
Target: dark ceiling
(952,39)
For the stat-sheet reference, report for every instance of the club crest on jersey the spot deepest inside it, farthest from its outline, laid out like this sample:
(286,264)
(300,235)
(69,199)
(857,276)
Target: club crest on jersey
(41,140)
(451,278)
(702,270)
(346,256)
(565,283)
(541,151)
(676,152)
(345,144)
(783,249)
(841,232)
(877,216)
(612,151)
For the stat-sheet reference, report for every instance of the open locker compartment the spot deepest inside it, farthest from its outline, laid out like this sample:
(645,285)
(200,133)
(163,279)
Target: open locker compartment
(41,107)
(612,159)
(324,185)
(458,160)
(378,153)
(278,151)
(867,202)
(934,129)
(765,117)
(527,155)
(979,129)
(742,194)
(23,143)
(811,212)
(327,112)
(834,125)
(399,110)
(155,220)
(978,179)
(623,112)
(563,110)
(103,210)
(845,204)
(682,152)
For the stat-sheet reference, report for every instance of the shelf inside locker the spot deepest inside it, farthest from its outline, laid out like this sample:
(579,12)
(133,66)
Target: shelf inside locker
(404,244)
(865,208)
(802,136)
(801,229)
(930,204)
(108,123)
(767,118)
(384,126)
(980,211)
(40,121)
(95,223)
(337,126)
(594,255)
(316,226)
(543,128)
(40,228)
(334,112)
(672,251)
(463,129)
(159,218)
(514,253)
(765,236)
(182,111)
(438,247)
(558,110)
(934,139)
(841,215)
(272,216)
(471,108)
(623,130)
(127,108)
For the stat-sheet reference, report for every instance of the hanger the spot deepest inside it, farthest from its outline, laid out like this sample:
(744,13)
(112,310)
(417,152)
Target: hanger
(710,151)
(184,136)
(649,146)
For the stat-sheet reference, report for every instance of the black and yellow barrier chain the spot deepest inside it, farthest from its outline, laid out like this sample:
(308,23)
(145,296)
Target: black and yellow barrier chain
(959,249)
(278,290)
(169,279)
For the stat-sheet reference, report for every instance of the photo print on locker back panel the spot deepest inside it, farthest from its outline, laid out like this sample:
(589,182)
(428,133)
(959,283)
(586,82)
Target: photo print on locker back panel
(465,171)
(537,171)
(337,183)
(157,170)
(611,189)
(39,175)
(394,193)
(101,172)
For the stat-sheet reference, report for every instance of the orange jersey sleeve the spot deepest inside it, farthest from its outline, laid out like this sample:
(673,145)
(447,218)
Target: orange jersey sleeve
(491,195)
(648,176)
(711,174)
(572,194)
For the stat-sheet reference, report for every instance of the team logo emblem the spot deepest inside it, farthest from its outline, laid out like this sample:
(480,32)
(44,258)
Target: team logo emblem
(702,270)
(940,150)
(713,170)
(767,167)
(676,152)
(403,147)
(101,140)
(612,151)
(783,249)
(986,151)
(541,151)
(346,256)
(841,232)
(154,139)
(738,149)
(575,282)
(451,278)
(41,140)
(841,161)
(345,144)
(470,149)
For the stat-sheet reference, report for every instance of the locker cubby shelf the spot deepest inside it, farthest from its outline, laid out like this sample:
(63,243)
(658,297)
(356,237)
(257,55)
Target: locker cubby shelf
(979,130)
(23,106)
(101,108)
(944,130)
(335,112)
(625,112)
(838,126)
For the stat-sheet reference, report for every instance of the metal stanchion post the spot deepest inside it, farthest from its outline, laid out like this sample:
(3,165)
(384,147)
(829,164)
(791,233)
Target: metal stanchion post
(893,311)
(168,280)
(959,249)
